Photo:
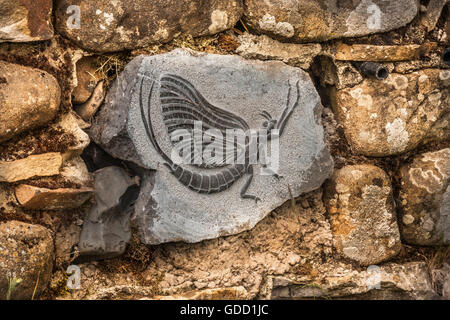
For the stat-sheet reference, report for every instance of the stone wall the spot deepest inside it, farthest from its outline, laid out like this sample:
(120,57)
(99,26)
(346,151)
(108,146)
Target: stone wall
(359,207)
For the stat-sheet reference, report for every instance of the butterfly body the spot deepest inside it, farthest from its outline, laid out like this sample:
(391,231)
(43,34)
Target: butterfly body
(208,183)
(182,105)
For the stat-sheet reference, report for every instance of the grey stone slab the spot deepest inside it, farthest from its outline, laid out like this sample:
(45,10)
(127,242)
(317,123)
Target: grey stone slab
(166,209)
(106,230)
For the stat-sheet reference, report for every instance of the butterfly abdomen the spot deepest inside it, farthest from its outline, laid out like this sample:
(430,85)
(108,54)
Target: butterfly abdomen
(208,183)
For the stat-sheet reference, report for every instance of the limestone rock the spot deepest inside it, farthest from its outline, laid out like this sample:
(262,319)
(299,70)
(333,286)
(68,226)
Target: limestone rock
(70,123)
(365,52)
(47,164)
(22,21)
(409,281)
(106,230)
(35,198)
(234,293)
(73,175)
(87,78)
(76,172)
(67,238)
(29,98)
(54,55)
(66,135)
(434,60)
(265,48)
(425,199)
(336,73)
(314,20)
(26,252)
(440,131)
(87,110)
(167,210)
(441,281)
(361,208)
(392,116)
(431,16)
(106,26)
(90,91)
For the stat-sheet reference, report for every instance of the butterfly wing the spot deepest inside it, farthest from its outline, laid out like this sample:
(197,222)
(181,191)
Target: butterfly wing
(182,106)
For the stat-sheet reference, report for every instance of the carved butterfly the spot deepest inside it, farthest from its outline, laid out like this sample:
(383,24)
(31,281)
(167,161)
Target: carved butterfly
(183,107)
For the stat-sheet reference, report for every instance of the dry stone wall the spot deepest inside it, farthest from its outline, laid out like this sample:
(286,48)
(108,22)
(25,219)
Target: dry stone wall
(95,97)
